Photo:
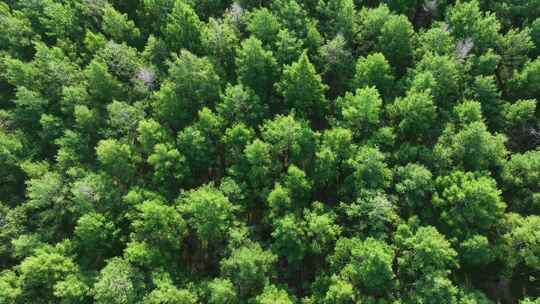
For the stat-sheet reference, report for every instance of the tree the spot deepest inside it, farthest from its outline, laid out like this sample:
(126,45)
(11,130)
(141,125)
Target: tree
(122,60)
(256,67)
(424,252)
(40,272)
(73,290)
(290,239)
(117,26)
(370,23)
(472,148)
(468,204)
(374,71)
(288,48)
(366,264)
(321,228)
(209,213)
(160,226)
(169,166)
(264,25)
(433,289)
(118,282)
(168,293)
(414,187)
(371,215)
(467,21)
(183,28)
(117,158)
(101,83)
(221,292)
(395,42)
(524,83)
(291,140)
(302,88)
(271,294)
(16,31)
(417,115)
(29,106)
(337,64)
(525,243)
(193,83)
(520,181)
(240,103)
(249,268)
(443,75)
(220,40)
(361,112)
(535,35)
(96,237)
(340,292)
(370,169)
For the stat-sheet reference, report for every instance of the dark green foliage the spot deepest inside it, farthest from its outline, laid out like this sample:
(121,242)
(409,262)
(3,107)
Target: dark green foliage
(257,152)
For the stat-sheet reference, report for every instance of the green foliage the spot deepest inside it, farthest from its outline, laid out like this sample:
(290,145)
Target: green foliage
(256,67)
(182,29)
(284,151)
(116,158)
(525,242)
(221,292)
(302,88)
(521,181)
(264,25)
(365,264)
(193,84)
(210,213)
(249,269)
(370,169)
(168,293)
(374,71)
(425,252)
(361,111)
(271,295)
(39,274)
(395,42)
(117,26)
(468,203)
(239,103)
(417,115)
(118,282)
(337,61)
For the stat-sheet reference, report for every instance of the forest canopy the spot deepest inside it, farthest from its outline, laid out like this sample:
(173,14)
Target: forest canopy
(261,152)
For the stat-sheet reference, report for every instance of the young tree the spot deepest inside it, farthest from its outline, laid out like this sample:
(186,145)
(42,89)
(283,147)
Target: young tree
(182,29)
(193,83)
(472,148)
(337,65)
(271,294)
(209,214)
(361,112)
(396,43)
(40,272)
(249,268)
(117,26)
(521,182)
(417,116)
(117,158)
(118,282)
(264,25)
(370,169)
(256,67)
(374,71)
(302,89)
(468,204)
